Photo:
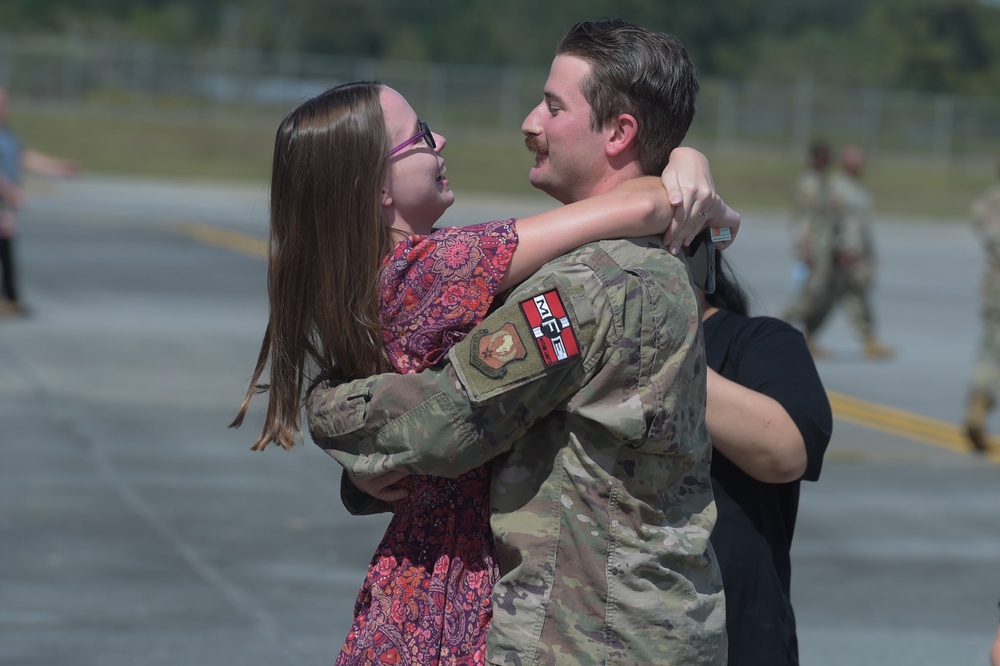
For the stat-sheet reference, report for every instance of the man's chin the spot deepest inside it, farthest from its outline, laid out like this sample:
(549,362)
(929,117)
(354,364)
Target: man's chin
(537,178)
(539,182)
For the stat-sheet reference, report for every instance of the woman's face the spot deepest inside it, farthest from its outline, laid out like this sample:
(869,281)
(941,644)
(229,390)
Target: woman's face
(416,193)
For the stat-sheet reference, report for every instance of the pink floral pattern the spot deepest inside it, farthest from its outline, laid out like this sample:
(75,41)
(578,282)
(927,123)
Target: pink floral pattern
(427,597)
(435,288)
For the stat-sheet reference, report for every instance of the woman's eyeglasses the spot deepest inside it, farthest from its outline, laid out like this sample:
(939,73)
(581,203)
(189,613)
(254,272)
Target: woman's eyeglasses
(424,133)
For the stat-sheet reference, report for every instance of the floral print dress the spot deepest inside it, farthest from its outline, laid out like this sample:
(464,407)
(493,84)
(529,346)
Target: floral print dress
(427,597)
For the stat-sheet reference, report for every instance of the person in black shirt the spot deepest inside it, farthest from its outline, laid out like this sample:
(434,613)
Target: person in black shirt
(770,422)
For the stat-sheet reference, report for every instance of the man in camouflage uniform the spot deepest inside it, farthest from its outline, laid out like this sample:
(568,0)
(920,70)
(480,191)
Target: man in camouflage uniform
(983,387)
(813,232)
(851,259)
(587,388)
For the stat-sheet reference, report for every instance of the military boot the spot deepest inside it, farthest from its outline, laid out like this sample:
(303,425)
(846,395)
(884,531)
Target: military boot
(977,410)
(875,349)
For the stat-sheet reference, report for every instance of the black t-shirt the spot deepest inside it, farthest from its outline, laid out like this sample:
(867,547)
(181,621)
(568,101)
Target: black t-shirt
(756,520)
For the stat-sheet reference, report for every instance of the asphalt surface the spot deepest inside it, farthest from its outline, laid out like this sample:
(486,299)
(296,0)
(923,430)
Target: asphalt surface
(136,529)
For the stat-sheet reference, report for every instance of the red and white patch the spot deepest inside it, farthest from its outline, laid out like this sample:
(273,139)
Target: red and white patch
(551,327)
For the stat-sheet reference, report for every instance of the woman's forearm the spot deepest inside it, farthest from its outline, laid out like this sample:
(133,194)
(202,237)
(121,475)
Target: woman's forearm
(754,431)
(637,208)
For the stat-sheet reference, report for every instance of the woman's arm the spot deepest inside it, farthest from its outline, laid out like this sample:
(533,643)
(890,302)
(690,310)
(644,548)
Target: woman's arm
(635,208)
(754,431)
(46,165)
(669,205)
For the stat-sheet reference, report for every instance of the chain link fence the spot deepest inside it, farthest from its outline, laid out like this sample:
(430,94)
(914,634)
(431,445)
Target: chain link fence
(143,78)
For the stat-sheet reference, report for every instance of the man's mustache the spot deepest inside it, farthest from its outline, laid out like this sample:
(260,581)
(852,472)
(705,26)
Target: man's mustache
(535,145)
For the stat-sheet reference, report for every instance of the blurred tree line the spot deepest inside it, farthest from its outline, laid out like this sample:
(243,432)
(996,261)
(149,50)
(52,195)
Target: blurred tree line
(930,45)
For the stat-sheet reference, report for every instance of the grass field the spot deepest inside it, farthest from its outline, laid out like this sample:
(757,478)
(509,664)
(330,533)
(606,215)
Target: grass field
(216,146)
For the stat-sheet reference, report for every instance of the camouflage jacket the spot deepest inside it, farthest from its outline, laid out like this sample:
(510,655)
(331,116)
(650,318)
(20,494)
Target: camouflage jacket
(851,206)
(589,383)
(986,218)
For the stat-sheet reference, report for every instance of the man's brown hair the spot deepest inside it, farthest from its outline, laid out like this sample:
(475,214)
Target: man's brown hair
(640,72)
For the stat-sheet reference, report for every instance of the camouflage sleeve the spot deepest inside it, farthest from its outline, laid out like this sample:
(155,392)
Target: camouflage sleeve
(519,365)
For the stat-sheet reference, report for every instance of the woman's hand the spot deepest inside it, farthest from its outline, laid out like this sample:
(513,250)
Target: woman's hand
(691,190)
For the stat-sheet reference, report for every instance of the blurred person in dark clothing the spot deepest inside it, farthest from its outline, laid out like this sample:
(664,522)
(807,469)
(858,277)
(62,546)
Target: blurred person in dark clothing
(15,159)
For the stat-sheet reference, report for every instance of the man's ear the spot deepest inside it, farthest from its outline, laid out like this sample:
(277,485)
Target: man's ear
(624,131)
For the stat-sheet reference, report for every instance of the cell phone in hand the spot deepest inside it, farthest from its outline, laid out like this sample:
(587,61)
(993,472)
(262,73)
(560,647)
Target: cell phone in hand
(700,256)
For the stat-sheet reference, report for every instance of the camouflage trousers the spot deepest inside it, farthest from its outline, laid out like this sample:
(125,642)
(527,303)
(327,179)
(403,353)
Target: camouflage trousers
(986,373)
(829,284)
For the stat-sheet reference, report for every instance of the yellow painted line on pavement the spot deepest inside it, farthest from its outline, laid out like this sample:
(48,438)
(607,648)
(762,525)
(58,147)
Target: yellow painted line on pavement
(233,240)
(903,424)
(854,410)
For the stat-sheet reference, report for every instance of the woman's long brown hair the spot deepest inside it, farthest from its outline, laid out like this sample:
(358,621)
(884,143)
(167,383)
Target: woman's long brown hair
(328,241)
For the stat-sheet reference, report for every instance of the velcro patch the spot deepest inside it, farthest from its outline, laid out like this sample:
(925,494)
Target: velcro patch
(721,234)
(551,327)
(492,351)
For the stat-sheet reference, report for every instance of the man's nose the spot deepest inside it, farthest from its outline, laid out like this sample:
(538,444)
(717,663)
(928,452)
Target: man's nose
(531,124)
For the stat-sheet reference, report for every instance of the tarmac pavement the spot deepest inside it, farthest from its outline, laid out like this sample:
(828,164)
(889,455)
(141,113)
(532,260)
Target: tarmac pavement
(136,529)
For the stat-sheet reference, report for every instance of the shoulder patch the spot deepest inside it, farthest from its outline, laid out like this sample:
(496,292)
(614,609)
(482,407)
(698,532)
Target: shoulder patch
(551,327)
(492,351)
(502,354)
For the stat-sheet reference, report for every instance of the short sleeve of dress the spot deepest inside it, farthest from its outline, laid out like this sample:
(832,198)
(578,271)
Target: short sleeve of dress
(434,289)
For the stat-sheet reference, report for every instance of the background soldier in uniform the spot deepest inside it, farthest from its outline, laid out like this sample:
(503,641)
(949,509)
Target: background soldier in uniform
(983,387)
(589,383)
(853,260)
(812,230)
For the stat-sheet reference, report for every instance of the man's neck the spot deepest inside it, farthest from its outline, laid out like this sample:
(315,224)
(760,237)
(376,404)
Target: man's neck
(611,178)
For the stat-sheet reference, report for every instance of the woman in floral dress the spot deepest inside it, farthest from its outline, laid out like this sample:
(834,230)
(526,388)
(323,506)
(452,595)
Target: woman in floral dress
(359,283)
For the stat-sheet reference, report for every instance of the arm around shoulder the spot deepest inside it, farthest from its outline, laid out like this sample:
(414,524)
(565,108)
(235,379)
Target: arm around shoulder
(638,207)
